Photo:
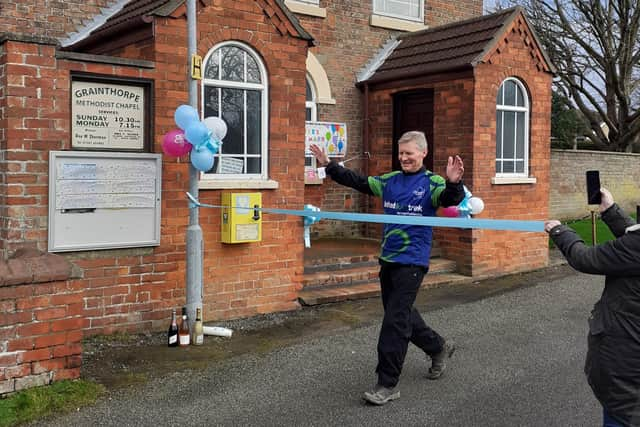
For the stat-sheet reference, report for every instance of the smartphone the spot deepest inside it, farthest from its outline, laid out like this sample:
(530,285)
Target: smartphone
(593,188)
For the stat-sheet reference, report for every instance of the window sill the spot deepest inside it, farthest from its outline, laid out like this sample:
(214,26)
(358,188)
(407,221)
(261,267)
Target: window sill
(306,9)
(313,181)
(329,101)
(395,23)
(502,180)
(217,184)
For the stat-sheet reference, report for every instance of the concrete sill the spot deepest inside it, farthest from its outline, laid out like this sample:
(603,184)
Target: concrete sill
(211,184)
(306,9)
(313,181)
(504,180)
(395,23)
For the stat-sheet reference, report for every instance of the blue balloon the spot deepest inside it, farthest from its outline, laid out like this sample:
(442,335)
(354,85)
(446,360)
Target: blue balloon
(185,115)
(197,133)
(202,158)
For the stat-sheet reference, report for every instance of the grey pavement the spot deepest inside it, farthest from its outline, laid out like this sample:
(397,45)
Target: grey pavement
(519,363)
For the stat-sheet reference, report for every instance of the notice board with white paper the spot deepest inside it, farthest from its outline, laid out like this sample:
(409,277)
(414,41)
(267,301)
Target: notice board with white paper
(102,200)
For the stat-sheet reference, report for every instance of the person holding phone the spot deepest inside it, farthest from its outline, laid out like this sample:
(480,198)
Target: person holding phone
(404,258)
(613,356)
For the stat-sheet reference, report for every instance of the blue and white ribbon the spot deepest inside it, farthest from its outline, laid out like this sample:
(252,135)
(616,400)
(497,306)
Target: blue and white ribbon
(308,222)
(315,214)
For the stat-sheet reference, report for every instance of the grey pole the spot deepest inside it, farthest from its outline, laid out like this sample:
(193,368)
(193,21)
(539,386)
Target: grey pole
(194,232)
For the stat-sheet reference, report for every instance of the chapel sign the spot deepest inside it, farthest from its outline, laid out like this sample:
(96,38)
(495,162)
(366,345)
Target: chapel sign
(109,114)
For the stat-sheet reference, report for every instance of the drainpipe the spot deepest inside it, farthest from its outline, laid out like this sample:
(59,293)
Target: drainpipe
(365,129)
(194,231)
(365,140)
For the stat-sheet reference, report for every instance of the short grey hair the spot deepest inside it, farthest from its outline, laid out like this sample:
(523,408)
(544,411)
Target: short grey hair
(416,136)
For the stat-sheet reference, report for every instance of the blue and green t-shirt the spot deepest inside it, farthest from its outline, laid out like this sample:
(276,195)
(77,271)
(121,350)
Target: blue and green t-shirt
(414,194)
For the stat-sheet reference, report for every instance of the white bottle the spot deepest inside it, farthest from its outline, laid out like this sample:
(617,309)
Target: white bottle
(218,331)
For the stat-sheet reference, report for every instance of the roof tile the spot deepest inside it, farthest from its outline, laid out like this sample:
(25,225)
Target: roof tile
(449,46)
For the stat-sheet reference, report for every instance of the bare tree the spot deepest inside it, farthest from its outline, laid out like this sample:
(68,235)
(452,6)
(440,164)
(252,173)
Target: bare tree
(595,46)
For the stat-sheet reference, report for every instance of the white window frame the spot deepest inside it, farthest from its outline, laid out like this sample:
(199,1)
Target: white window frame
(314,115)
(314,2)
(264,88)
(501,107)
(402,17)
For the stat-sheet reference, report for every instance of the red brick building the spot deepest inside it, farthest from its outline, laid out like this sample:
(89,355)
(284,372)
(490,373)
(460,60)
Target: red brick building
(480,88)
(257,58)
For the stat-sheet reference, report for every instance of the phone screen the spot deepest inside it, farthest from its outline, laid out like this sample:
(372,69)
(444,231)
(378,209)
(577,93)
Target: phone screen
(593,187)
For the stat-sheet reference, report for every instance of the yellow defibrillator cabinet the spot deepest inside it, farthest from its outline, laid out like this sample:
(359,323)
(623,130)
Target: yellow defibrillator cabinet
(241,217)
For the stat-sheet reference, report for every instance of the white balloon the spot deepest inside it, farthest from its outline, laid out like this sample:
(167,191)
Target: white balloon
(476,204)
(217,126)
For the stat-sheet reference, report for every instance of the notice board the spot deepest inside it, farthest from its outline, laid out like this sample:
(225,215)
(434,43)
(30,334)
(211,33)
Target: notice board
(102,200)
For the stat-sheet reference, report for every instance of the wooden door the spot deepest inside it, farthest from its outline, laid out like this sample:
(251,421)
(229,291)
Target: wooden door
(413,110)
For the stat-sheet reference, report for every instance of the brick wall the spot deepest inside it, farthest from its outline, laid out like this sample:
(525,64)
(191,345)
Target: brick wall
(500,251)
(345,42)
(41,321)
(247,279)
(135,289)
(49,18)
(438,12)
(619,173)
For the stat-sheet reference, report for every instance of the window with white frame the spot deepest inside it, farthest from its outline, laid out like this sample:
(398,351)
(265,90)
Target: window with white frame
(403,9)
(311,115)
(315,2)
(512,129)
(234,88)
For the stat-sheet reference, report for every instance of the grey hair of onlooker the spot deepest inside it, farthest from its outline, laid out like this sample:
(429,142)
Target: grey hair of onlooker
(416,136)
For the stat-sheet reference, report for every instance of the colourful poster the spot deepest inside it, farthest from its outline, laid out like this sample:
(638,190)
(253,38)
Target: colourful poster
(331,136)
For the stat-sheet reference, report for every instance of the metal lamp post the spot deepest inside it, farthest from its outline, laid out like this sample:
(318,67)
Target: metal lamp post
(194,231)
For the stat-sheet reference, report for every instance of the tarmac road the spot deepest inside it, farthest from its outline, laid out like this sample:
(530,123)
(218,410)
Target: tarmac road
(521,347)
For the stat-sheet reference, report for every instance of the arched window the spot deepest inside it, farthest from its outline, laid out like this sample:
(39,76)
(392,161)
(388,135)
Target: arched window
(512,129)
(311,115)
(234,88)
(310,101)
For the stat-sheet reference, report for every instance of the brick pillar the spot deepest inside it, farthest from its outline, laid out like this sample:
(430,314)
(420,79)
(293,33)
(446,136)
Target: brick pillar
(33,123)
(41,321)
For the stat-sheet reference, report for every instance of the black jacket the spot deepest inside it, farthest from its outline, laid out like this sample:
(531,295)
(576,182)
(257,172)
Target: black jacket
(613,358)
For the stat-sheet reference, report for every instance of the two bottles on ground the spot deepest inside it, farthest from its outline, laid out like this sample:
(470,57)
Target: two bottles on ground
(181,335)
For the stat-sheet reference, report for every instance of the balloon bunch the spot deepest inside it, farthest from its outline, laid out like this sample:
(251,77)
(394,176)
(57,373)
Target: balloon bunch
(200,138)
(468,206)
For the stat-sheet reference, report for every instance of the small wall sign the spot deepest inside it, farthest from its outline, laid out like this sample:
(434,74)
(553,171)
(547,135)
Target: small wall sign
(110,114)
(330,136)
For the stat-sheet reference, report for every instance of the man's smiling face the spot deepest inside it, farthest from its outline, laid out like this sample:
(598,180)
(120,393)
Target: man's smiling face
(410,156)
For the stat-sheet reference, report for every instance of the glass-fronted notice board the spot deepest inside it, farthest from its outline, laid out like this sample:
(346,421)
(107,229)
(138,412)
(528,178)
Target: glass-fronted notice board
(101,200)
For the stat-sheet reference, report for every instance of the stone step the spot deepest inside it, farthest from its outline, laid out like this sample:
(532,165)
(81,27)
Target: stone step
(330,254)
(337,293)
(360,272)
(340,263)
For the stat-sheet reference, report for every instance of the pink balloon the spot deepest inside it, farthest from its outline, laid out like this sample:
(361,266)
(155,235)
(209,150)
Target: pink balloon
(174,143)
(450,211)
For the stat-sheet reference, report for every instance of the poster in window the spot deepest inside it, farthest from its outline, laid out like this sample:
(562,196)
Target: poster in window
(330,136)
(109,115)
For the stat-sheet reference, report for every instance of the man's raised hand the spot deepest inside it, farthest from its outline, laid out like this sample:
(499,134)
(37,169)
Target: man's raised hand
(455,169)
(320,155)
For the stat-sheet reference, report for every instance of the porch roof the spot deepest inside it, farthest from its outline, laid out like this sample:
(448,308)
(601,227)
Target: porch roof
(128,14)
(455,46)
